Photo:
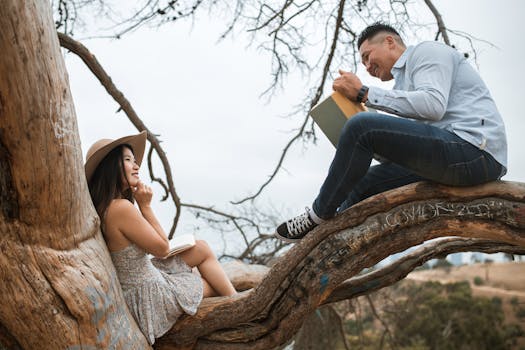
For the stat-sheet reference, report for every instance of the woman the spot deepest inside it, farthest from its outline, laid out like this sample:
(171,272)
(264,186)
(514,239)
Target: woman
(157,291)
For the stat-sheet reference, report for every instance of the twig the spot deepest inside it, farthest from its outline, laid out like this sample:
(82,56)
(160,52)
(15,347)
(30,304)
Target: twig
(442,29)
(385,325)
(313,102)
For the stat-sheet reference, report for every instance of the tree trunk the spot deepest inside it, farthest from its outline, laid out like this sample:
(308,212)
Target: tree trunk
(59,289)
(323,329)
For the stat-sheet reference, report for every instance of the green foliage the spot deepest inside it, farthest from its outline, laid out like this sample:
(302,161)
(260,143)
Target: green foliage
(478,281)
(425,266)
(440,263)
(447,317)
(514,301)
(497,301)
(443,264)
(514,331)
(475,259)
(430,316)
(520,313)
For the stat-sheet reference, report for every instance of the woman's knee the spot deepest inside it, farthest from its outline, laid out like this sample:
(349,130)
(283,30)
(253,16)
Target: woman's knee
(203,248)
(198,254)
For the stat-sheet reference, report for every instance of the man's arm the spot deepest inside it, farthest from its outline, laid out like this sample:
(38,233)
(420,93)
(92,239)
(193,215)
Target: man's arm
(430,74)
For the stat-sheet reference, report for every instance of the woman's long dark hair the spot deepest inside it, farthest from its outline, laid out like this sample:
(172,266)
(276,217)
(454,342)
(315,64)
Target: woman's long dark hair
(106,182)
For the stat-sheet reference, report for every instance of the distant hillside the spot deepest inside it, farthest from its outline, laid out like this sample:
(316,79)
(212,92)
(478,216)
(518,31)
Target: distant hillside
(509,277)
(505,281)
(470,307)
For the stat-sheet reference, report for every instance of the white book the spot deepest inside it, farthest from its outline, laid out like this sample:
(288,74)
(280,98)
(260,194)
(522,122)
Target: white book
(180,243)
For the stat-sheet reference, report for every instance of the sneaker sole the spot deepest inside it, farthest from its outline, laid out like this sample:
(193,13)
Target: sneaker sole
(287,240)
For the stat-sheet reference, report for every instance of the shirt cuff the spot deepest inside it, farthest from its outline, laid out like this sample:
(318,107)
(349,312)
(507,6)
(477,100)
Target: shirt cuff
(375,96)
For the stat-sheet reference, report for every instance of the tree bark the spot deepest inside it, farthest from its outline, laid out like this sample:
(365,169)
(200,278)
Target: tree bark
(59,289)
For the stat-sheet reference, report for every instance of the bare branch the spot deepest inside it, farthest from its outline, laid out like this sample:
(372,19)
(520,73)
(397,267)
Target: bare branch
(313,102)
(151,11)
(471,40)
(96,68)
(442,29)
(376,314)
(157,179)
(276,14)
(398,270)
(235,18)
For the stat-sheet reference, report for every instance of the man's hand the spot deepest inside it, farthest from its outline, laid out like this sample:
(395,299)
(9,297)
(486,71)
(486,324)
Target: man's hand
(348,84)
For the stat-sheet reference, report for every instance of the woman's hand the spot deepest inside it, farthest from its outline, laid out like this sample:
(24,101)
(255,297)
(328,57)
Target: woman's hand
(142,194)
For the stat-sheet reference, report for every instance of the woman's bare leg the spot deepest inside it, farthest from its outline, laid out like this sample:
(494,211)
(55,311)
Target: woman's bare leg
(202,257)
(207,290)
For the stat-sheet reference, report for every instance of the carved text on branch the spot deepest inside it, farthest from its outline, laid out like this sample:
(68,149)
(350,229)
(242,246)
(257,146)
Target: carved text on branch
(420,212)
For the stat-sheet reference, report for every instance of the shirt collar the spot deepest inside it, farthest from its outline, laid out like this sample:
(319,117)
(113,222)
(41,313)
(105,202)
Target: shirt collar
(401,61)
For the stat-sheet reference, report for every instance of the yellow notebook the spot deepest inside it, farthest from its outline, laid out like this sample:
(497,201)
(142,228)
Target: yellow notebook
(332,113)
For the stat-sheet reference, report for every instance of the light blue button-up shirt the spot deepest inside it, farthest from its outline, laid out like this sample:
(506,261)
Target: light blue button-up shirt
(435,84)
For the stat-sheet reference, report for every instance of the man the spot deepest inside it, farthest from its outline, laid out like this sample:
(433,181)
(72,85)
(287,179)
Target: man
(447,128)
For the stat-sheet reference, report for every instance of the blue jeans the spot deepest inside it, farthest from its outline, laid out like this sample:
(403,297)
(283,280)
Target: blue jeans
(412,150)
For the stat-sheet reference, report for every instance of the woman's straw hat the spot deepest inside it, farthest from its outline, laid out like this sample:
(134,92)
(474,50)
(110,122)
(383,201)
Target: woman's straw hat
(101,148)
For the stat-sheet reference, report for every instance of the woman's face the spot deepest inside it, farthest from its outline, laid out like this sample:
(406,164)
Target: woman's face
(131,168)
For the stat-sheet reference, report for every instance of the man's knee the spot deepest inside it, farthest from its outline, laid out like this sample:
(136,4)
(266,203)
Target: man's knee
(359,122)
(360,118)
(357,127)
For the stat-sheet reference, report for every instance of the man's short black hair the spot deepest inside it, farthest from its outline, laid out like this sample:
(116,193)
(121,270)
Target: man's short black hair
(370,31)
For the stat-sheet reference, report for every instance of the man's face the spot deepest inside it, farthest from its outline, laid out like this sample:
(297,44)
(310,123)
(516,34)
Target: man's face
(376,55)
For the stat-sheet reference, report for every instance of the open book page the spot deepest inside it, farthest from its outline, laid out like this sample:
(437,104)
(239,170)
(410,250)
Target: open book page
(180,243)
(332,113)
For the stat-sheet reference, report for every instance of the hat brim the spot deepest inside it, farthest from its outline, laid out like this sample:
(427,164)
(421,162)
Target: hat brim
(137,143)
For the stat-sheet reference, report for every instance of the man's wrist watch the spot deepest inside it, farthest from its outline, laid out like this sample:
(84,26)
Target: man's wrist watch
(361,94)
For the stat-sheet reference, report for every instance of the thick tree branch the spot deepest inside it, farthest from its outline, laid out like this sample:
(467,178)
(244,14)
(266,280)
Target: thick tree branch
(398,270)
(307,275)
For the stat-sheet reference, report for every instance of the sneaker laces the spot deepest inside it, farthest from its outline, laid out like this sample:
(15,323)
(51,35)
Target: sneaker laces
(299,224)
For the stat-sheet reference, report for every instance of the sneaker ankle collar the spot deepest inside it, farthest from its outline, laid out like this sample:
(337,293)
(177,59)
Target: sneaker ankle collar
(314,217)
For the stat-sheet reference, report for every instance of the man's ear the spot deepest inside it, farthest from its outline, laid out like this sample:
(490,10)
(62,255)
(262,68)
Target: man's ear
(390,41)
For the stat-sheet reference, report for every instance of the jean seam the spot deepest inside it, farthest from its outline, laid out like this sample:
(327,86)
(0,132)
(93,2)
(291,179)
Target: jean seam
(396,178)
(455,165)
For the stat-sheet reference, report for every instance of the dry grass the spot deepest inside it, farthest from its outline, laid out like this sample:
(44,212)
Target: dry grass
(507,276)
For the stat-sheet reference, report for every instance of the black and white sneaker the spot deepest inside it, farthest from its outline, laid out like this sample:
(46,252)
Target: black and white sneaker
(296,228)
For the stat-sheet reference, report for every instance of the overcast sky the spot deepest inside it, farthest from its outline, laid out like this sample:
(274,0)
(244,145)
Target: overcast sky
(223,139)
